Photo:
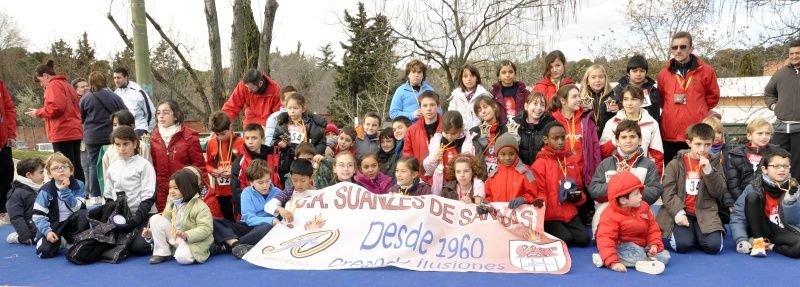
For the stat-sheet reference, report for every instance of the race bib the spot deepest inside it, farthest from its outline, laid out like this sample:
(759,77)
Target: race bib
(646,102)
(754,159)
(296,134)
(491,164)
(692,183)
(223,181)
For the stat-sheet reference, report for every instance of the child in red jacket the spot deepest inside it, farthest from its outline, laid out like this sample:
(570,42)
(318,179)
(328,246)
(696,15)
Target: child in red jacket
(558,183)
(628,235)
(513,181)
(221,150)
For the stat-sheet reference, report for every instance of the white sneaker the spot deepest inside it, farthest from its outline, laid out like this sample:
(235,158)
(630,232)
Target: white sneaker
(13,238)
(652,267)
(598,262)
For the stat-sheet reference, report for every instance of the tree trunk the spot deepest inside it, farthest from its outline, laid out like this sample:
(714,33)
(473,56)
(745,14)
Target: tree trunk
(217,89)
(266,35)
(237,42)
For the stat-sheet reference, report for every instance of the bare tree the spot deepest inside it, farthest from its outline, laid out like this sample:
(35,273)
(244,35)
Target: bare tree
(10,35)
(237,41)
(452,33)
(652,22)
(217,86)
(781,19)
(266,35)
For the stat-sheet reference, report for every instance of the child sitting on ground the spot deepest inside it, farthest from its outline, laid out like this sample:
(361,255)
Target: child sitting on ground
(467,186)
(693,183)
(184,229)
(256,223)
(21,199)
(59,210)
(408,182)
(767,213)
(628,235)
(744,162)
(370,175)
(558,183)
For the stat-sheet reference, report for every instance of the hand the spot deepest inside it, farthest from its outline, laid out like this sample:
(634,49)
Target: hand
(743,247)
(439,155)
(516,202)
(484,208)
(226,173)
(613,107)
(329,151)
(653,250)
(182,235)
(538,203)
(682,220)
(31,113)
(318,158)
(52,237)
(704,162)
(275,222)
(62,184)
(11,143)
(417,114)
(146,233)
(618,267)
(282,143)
(287,215)
(216,172)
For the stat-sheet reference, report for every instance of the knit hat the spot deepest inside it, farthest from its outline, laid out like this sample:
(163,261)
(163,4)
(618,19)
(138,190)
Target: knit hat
(622,183)
(506,140)
(301,167)
(331,128)
(637,61)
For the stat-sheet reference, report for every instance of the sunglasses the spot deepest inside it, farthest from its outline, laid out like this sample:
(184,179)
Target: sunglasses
(679,47)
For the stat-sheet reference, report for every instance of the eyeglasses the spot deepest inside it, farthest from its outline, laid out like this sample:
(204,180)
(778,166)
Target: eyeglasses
(679,47)
(59,168)
(780,166)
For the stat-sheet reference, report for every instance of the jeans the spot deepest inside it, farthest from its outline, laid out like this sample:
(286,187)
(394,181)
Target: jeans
(629,253)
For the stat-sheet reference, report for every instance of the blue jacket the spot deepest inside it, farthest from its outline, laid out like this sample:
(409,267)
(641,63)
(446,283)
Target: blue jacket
(96,110)
(253,213)
(789,212)
(405,101)
(45,208)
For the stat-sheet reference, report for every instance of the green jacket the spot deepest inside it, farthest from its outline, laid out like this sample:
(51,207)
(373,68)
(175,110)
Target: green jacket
(197,224)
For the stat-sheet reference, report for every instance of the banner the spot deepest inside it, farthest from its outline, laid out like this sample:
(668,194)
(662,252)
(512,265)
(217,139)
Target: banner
(345,227)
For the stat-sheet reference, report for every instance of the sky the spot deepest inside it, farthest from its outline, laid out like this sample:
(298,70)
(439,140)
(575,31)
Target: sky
(313,23)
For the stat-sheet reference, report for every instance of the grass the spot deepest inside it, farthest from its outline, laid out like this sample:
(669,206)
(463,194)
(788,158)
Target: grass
(23,154)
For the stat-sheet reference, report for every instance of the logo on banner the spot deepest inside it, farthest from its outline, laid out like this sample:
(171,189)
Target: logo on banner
(539,253)
(310,243)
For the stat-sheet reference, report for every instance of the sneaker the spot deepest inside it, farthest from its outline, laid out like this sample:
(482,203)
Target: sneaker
(759,248)
(652,267)
(159,259)
(240,250)
(13,238)
(219,248)
(598,262)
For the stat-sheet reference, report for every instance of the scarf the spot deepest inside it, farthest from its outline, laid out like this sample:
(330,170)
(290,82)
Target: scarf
(717,147)
(408,189)
(168,132)
(29,183)
(774,189)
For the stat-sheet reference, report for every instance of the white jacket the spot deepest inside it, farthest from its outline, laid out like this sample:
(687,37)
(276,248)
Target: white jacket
(458,102)
(139,104)
(431,166)
(136,176)
(651,133)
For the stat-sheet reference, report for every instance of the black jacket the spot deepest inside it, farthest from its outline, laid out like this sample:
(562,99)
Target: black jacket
(739,172)
(531,136)
(601,113)
(315,131)
(236,170)
(649,86)
(20,210)
(481,142)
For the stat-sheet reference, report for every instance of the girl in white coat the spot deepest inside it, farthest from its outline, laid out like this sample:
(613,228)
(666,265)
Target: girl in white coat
(463,97)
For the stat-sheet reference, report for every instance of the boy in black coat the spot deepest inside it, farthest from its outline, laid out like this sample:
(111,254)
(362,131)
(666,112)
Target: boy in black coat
(21,199)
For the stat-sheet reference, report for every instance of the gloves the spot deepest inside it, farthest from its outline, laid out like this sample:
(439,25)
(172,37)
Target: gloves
(574,196)
(484,209)
(538,203)
(516,202)
(743,247)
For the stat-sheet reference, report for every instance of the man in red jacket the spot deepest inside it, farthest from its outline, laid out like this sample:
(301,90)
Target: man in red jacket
(688,89)
(8,135)
(258,93)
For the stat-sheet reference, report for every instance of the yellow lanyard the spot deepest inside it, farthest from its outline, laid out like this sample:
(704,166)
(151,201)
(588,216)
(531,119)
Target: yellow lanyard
(572,134)
(562,167)
(222,159)
(684,85)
